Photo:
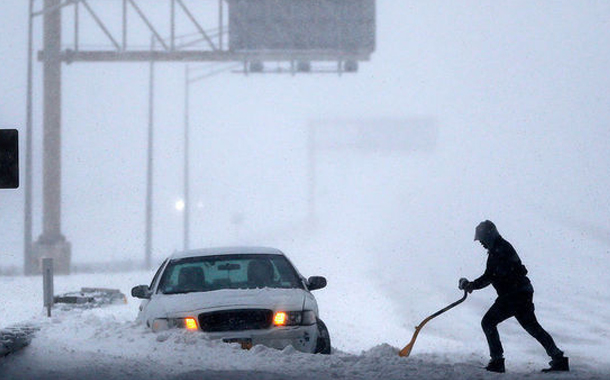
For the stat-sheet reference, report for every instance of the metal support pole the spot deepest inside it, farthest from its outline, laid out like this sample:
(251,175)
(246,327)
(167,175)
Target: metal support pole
(76,26)
(52,243)
(187,203)
(220,22)
(52,123)
(28,265)
(149,169)
(124,25)
(172,44)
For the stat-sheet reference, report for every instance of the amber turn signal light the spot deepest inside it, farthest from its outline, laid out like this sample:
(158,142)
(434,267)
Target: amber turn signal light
(190,323)
(280,318)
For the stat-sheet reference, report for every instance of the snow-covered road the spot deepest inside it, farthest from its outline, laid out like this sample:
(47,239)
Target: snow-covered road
(106,343)
(99,344)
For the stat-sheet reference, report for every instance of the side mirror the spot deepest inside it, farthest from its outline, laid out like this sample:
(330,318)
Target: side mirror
(140,291)
(316,282)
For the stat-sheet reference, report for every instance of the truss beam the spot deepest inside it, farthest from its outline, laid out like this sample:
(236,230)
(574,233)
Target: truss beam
(194,21)
(98,22)
(70,56)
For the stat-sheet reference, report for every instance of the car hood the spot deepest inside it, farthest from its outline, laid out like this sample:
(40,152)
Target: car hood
(266,298)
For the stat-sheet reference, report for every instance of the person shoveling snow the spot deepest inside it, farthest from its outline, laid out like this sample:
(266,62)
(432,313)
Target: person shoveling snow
(515,293)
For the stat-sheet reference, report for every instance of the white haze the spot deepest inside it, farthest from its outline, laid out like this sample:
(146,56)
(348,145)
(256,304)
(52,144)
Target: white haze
(519,94)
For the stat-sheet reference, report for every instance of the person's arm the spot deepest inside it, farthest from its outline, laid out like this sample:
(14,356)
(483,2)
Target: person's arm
(482,281)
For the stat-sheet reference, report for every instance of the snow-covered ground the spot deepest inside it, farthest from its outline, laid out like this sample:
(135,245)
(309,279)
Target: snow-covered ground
(367,327)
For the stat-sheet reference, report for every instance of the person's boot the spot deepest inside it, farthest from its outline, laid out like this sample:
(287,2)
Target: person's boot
(558,364)
(496,365)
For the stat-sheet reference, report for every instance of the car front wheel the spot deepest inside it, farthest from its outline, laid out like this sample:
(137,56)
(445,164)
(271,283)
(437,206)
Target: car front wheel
(323,343)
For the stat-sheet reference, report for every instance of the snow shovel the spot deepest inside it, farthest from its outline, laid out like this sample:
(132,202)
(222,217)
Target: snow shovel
(407,350)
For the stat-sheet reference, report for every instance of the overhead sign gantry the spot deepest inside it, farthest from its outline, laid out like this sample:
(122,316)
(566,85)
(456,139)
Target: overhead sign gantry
(299,33)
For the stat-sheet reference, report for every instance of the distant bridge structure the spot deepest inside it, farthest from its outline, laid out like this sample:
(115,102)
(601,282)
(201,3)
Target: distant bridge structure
(298,33)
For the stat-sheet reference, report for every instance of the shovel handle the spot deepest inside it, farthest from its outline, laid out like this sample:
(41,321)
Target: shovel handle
(407,349)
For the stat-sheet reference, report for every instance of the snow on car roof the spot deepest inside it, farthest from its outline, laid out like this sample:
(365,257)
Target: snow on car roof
(246,250)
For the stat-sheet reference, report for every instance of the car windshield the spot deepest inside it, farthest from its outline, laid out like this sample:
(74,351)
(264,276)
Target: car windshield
(207,273)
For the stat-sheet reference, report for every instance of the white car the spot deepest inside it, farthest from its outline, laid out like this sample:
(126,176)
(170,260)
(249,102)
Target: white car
(248,295)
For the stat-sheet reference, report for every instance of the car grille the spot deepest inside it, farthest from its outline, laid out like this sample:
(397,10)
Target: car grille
(234,320)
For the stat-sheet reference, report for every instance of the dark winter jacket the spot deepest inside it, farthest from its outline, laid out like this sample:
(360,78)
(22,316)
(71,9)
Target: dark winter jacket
(504,270)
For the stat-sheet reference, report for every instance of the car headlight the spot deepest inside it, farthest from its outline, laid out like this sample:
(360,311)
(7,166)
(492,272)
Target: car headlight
(294,318)
(188,323)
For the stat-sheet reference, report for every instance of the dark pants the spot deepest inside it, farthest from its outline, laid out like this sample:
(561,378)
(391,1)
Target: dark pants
(521,307)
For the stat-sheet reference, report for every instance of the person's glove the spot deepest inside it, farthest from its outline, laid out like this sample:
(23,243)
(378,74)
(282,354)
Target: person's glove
(466,285)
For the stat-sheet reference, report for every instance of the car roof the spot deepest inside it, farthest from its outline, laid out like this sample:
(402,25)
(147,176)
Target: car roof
(237,250)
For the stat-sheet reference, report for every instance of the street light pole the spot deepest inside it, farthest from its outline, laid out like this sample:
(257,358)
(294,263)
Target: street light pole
(28,266)
(187,203)
(149,168)
(187,88)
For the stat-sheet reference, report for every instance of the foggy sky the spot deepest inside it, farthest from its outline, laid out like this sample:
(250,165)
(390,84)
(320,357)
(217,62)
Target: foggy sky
(519,92)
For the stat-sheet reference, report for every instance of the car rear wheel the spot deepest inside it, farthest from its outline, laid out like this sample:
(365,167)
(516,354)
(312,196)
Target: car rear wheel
(323,343)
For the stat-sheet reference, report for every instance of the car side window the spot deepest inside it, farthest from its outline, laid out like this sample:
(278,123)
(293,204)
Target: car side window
(156,276)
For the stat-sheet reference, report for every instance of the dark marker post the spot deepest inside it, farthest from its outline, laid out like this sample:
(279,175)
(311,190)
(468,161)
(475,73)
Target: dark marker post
(47,283)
